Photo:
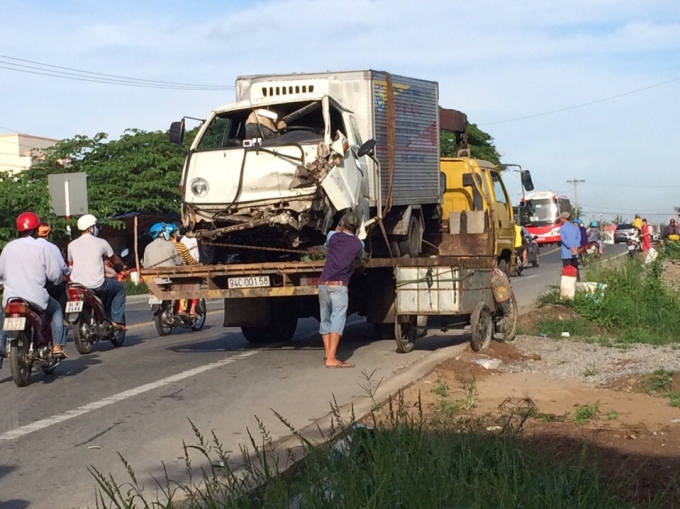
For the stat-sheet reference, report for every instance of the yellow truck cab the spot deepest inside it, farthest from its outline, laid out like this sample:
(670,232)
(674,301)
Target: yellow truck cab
(474,188)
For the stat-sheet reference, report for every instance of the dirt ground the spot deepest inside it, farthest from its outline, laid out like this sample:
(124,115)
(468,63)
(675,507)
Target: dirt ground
(633,435)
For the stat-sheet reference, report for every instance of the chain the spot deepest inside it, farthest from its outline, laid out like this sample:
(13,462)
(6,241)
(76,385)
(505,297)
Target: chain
(310,251)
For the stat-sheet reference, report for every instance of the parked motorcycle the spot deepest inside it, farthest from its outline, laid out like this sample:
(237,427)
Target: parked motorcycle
(167,316)
(30,341)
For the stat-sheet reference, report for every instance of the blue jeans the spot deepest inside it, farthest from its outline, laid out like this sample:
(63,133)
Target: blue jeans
(333,302)
(58,329)
(112,293)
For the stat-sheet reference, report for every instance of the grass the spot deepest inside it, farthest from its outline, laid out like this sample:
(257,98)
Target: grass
(591,370)
(397,463)
(660,383)
(586,412)
(554,328)
(635,308)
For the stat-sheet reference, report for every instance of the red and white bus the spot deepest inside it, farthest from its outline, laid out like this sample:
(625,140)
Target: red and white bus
(539,213)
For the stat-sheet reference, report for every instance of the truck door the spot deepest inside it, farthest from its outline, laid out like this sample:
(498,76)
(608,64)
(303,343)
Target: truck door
(505,238)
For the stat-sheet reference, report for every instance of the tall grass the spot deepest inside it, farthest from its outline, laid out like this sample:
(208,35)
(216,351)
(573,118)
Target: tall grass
(636,307)
(402,462)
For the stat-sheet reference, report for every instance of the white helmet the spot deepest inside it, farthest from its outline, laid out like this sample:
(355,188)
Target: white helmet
(86,221)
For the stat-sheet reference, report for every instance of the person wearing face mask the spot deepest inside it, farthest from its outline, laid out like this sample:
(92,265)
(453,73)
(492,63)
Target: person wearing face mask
(86,257)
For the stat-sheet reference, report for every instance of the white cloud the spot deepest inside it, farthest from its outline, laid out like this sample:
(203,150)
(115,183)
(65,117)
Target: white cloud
(496,60)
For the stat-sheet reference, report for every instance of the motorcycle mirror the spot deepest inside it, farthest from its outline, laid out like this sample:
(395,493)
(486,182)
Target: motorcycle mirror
(124,253)
(176,132)
(366,148)
(527,183)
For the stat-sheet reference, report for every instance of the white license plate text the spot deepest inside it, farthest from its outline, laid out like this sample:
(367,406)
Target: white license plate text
(14,323)
(249,282)
(74,306)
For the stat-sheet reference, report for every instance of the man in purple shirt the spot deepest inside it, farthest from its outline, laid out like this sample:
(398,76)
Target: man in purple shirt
(343,249)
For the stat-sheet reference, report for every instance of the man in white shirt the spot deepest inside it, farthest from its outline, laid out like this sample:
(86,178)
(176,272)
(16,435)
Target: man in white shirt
(26,265)
(86,256)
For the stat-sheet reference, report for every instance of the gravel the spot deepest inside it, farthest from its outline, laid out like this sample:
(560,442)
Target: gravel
(593,364)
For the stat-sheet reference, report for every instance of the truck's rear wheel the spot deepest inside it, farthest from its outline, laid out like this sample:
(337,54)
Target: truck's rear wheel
(481,326)
(282,328)
(258,335)
(411,245)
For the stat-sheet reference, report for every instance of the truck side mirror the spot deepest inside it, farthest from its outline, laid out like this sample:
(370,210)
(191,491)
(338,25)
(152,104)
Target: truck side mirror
(176,132)
(527,183)
(366,148)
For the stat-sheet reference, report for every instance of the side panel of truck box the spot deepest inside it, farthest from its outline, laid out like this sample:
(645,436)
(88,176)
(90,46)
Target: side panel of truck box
(416,138)
(415,178)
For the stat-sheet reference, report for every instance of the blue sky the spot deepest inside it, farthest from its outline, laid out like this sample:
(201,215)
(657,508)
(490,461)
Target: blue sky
(495,60)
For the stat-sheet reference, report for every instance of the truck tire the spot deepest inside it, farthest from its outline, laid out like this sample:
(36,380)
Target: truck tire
(282,328)
(481,327)
(506,320)
(258,335)
(411,244)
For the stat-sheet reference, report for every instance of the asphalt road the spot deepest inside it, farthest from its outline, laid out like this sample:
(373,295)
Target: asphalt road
(136,400)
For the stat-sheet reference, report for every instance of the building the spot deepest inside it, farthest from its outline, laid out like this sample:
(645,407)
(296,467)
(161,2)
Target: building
(19,152)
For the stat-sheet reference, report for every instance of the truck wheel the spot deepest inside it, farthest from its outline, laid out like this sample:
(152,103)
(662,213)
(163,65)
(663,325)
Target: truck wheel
(405,332)
(412,243)
(284,328)
(481,325)
(258,335)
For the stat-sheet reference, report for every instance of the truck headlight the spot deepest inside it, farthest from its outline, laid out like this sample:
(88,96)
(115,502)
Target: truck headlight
(199,187)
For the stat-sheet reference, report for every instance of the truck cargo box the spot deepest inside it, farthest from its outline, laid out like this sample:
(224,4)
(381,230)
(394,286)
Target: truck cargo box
(407,147)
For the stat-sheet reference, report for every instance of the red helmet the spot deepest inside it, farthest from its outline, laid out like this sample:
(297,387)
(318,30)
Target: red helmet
(27,221)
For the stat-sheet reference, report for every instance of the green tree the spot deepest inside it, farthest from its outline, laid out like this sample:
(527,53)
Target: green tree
(139,172)
(481,145)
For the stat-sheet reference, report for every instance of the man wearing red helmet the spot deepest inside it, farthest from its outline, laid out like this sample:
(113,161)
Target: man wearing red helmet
(26,266)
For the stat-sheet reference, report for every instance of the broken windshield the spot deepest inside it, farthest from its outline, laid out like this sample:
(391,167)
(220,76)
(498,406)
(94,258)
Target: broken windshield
(276,125)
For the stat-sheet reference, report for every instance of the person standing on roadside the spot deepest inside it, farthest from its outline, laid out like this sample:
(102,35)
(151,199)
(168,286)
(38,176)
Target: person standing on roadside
(343,248)
(570,236)
(645,237)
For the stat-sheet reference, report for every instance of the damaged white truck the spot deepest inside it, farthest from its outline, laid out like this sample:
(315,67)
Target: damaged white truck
(271,173)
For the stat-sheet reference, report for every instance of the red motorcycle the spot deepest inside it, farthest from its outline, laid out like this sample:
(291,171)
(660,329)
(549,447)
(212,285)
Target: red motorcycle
(86,314)
(31,344)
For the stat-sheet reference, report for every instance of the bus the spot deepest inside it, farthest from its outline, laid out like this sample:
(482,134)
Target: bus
(539,213)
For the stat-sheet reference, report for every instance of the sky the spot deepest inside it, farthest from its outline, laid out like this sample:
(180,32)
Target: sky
(584,89)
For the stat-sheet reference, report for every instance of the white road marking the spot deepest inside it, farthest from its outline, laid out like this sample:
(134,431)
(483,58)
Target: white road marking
(96,405)
(524,278)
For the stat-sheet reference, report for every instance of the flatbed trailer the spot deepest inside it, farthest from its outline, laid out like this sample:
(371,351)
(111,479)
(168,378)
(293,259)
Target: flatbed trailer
(267,299)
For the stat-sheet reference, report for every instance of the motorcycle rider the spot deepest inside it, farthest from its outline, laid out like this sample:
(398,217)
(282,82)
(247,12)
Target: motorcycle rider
(161,252)
(172,233)
(671,229)
(521,246)
(594,235)
(26,266)
(86,255)
(56,291)
(582,230)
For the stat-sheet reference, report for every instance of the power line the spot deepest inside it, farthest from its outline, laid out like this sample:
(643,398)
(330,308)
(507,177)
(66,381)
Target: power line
(56,71)
(597,101)
(638,186)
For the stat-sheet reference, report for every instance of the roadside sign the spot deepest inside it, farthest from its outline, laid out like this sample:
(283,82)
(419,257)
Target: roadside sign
(68,194)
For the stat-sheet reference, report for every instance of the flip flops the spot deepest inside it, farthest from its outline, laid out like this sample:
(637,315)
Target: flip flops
(339,365)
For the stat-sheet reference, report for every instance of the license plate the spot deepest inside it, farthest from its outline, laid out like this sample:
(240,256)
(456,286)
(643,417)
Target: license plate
(13,324)
(249,282)
(154,301)
(74,306)
(631,247)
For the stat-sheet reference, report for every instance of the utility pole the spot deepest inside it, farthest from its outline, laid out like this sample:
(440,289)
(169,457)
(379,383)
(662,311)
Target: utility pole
(575,182)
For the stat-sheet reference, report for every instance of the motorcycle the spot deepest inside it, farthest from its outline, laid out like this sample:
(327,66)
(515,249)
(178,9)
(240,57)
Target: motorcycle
(634,245)
(167,316)
(31,345)
(589,252)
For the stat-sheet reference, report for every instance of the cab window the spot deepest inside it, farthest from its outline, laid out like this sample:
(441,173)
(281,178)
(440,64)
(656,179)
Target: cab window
(498,188)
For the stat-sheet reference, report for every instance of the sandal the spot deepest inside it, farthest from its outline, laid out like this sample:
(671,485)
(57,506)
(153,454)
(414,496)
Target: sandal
(340,364)
(61,354)
(119,326)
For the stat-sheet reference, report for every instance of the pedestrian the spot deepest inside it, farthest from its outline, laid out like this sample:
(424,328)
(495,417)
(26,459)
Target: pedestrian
(570,238)
(343,248)
(637,222)
(646,237)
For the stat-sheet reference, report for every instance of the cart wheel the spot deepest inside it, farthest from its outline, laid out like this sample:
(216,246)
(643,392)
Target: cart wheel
(405,332)
(506,319)
(481,325)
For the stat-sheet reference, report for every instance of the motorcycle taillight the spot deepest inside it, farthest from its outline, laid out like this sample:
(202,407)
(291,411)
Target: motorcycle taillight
(16,308)
(73,294)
